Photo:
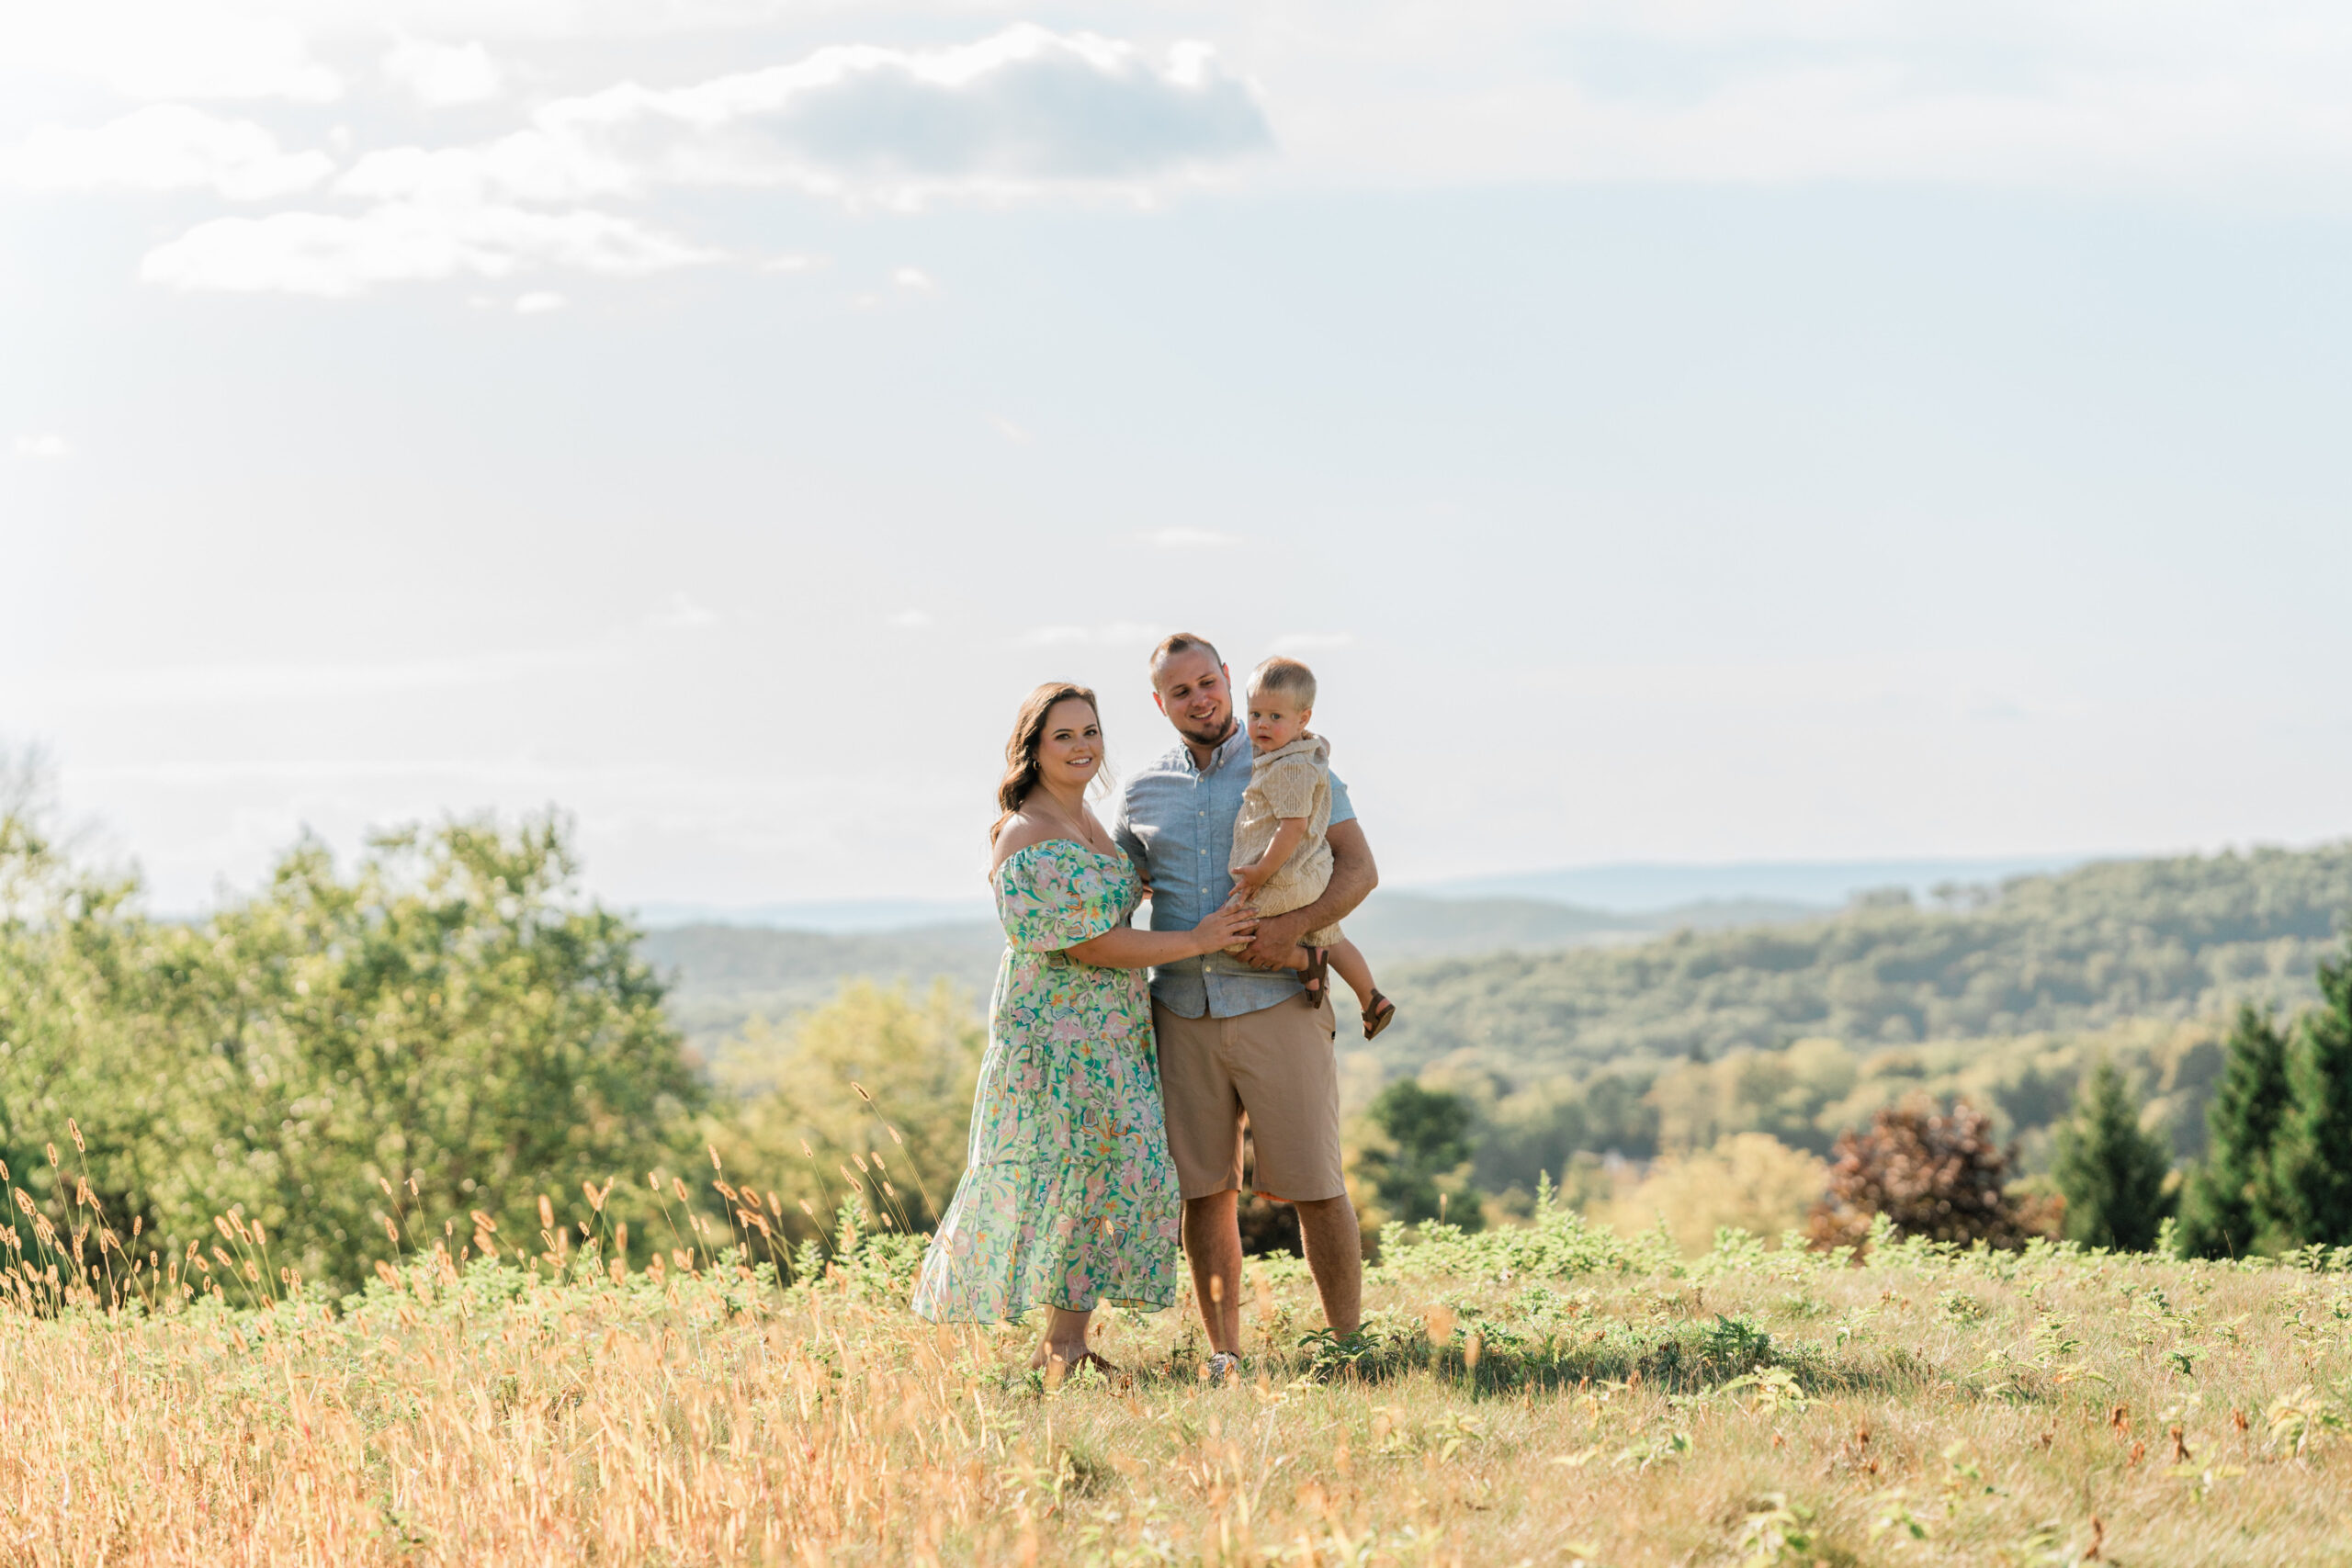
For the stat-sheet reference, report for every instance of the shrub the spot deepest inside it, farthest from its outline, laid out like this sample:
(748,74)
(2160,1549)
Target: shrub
(1750,1181)
(1934,1174)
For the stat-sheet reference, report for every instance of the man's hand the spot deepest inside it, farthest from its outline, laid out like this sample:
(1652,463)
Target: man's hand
(1353,875)
(1277,941)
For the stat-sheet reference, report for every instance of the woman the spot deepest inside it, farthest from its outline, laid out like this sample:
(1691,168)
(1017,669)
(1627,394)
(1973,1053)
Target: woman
(1069,1196)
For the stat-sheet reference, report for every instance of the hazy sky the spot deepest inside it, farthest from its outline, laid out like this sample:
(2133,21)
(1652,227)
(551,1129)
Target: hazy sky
(1674,431)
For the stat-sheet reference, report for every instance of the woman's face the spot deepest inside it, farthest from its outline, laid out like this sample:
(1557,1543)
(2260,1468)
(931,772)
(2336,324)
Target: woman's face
(1069,751)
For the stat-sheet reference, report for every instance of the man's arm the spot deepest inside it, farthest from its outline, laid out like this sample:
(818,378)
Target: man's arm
(1130,843)
(1353,876)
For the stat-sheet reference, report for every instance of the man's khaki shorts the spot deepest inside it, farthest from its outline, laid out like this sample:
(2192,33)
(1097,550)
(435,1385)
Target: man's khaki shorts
(1277,1064)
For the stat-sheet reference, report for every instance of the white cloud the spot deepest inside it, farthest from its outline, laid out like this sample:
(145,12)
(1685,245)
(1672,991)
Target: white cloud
(1190,539)
(2030,92)
(1312,642)
(1115,634)
(539,302)
(173,48)
(274,682)
(680,611)
(335,256)
(441,74)
(47,448)
(162,147)
(914,278)
(912,620)
(1008,430)
(1025,111)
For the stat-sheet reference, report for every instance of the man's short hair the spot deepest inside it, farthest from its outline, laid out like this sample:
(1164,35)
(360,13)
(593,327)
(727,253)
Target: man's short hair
(1182,642)
(1287,676)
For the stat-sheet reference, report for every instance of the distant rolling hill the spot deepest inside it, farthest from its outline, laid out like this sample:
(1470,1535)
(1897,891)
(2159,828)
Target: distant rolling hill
(722,976)
(1530,986)
(1824,885)
(2174,938)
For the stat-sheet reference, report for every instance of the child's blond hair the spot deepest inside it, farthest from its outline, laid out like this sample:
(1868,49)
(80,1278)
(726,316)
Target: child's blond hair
(1287,676)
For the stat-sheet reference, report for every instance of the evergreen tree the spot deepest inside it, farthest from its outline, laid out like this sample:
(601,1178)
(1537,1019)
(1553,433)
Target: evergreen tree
(1428,1133)
(2112,1173)
(2233,1205)
(2315,1155)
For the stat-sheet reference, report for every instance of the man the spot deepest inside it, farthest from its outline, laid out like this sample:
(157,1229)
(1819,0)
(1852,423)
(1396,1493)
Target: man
(1235,1032)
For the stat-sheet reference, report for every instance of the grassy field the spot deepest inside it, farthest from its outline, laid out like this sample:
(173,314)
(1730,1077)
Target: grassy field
(1551,1395)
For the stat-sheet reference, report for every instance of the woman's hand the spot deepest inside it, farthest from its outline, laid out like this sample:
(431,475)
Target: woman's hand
(1229,924)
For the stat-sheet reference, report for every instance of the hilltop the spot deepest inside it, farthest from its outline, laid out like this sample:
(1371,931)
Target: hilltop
(1526,986)
(2152,939)
(723,976)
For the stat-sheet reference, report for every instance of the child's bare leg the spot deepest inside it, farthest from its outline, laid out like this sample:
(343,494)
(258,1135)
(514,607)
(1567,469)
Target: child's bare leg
(1348,959)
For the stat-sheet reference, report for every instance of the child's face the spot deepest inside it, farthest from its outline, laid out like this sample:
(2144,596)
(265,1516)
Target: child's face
(1275,720)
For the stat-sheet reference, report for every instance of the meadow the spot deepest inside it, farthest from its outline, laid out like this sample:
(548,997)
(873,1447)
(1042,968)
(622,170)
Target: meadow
(1548,1393)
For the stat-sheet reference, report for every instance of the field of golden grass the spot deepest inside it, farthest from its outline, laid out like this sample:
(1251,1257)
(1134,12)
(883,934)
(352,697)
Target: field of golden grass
(1550,1395)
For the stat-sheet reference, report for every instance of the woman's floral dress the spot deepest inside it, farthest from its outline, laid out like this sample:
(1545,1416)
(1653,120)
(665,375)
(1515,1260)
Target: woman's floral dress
(1068,1197)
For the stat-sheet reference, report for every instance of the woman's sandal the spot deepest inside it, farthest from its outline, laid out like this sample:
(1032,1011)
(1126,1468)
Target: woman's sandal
(1109,1369)
(1315,978)
(1379,1015)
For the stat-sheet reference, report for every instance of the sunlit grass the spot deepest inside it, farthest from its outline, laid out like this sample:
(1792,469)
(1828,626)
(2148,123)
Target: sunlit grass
(1546,1396)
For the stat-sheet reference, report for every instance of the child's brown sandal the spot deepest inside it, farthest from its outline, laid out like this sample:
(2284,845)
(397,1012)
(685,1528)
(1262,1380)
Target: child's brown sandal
(1379,1015)
(1315,978)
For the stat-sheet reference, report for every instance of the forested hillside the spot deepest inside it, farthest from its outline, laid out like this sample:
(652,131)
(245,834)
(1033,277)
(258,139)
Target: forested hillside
(2156,938)
(451,1029)
(2004,996)
(723,977)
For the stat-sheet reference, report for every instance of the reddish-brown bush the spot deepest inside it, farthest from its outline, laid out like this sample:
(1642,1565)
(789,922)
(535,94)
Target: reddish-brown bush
(1935,1173)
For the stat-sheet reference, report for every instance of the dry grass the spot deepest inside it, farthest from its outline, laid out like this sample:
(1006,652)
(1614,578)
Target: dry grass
(1545,1397)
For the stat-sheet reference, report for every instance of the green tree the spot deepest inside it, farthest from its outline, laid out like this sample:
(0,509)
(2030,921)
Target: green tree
(872,1075)
(2315,1151)
(1427,1135)
(2111,1173)
(452,1029)
(2233,1206)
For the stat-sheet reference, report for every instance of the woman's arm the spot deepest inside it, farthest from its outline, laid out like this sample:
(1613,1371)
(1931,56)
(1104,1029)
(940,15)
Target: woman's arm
(1258,873)
(1124,947)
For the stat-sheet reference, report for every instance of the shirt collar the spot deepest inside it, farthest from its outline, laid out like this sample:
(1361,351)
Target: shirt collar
(1182,757)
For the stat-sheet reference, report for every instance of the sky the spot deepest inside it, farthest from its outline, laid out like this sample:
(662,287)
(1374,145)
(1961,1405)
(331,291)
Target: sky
(1675,433)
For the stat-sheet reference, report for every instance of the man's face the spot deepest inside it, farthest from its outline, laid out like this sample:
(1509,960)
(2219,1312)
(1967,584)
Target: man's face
(1196,694)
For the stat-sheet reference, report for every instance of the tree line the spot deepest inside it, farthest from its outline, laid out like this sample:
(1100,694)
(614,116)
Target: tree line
(2173,939)
(420,1050)
(2276,1174)
(420,1047)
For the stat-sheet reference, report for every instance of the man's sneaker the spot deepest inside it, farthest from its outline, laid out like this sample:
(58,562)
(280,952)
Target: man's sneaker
(1223,1367)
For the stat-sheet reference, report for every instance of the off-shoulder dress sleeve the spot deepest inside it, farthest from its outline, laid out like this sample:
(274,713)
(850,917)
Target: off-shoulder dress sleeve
(1289,784)
(1055,895)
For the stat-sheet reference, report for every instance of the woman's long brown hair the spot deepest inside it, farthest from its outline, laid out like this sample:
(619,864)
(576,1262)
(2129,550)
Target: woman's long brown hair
(1021,752)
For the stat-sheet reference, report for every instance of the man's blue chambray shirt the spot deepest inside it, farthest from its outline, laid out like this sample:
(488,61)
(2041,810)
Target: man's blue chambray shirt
(1176,823)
